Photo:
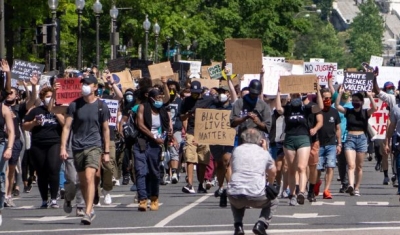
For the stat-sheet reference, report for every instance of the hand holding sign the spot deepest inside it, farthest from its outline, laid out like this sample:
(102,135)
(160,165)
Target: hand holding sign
(34,79)
(4,66)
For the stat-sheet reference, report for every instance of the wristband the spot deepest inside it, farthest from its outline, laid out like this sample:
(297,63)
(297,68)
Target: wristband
(106,152)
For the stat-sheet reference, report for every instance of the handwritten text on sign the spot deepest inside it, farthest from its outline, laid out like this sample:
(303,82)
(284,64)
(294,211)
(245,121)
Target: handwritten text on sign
(69,91)
(215,72)
(113,107)
(321,70)
(378,120)
(354,81)
(213,127)
(23,70)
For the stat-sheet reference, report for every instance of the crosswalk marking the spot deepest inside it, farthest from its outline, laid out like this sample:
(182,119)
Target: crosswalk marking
(320,203)
(372,203)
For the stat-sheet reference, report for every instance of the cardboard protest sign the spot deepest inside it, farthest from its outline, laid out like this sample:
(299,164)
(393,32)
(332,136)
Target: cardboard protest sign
(113,106)
(209,83)
(297,83)
(358,81)
(317,60)
(69,91)
(246,79)
(161,69)
(215,72)
(268,60)
(378,120)
(295,62)
(23,70)
(272,73)
(353,70)
(195,68)
(116,65)
(213,127)
(244,54)
(375,61)
(204,72)
(124,80)
(322,71)
(136,74)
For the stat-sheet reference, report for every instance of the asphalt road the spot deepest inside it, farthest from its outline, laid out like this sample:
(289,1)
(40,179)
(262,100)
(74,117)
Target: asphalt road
(376,211)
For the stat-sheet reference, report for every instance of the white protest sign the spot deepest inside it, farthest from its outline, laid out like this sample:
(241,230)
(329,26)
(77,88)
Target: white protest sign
(297,69)
(113,107)
(195,68)
(340,76)
(388,74)
(377,122)
(215,72)
(247,79)
(272,73)
(321,70)
(375,61)
(268,60)
(317,60)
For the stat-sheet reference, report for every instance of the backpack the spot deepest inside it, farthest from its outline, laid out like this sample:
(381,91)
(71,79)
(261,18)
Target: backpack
(130,129)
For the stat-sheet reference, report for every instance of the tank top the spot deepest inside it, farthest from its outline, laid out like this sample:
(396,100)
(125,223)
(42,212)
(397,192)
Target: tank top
(155,124)
(2,125)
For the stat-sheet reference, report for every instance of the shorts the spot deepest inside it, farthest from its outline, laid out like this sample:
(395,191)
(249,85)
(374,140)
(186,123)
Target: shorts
(358,143)
(294,142)
(87,158)
(276,151)
(16,151)
(173,152)
(314,154)
(195,154)
(327,157)
(218,151)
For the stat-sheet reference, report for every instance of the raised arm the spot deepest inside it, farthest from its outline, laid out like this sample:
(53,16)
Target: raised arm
(117,91)
(232,90)
(166,90)
(8,116)
(6,69)
(319,96)
(34,81)
(373,108)
(339,107)
(279,107)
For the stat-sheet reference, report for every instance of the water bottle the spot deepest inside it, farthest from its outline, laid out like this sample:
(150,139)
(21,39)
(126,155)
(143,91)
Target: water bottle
(164,135)
(241,113)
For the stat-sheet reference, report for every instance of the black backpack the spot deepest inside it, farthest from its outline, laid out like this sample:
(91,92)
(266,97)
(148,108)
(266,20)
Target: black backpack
(130,129)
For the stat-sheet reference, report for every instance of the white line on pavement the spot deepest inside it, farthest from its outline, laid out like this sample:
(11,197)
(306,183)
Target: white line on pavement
(165,221)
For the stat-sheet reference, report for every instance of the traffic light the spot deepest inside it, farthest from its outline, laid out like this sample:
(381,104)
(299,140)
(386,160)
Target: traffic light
(41,34)
(398,48)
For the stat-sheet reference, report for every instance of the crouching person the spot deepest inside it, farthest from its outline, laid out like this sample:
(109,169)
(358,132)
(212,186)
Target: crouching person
(250,164)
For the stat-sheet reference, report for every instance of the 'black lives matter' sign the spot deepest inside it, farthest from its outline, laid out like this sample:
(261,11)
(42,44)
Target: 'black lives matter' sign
(357,81)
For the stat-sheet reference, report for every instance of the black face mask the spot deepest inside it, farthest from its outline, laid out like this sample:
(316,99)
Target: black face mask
(9,102)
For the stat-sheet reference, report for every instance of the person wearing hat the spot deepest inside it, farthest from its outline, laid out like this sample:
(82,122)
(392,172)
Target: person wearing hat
(194,154)
(88,118)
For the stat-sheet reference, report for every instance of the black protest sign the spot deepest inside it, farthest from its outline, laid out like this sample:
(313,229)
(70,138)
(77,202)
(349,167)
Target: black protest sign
(116,65)
(23,70)
(137,64)
(357,81)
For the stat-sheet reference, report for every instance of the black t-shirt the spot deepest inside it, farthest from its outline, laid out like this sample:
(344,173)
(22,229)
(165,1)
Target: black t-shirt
(357,121)
(128,107)
(22,110)
(17,121)
(175,109)
(312,120)
(327,133)
(190,105)
(49,132)
(296,119)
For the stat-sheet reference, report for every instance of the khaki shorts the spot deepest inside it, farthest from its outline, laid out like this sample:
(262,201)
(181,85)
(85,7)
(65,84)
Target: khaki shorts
(196,154)
(87,158)
(314,154)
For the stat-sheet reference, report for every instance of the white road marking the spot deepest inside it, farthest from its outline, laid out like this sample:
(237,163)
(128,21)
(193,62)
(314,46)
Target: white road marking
(319,203)
(372,203)
(118,195)
(48,218)
(23,208)
(305,216)
(135,205)
(180,212)
(381,222)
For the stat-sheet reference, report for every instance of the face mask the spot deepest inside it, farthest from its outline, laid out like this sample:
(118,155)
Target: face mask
(195,96)
(327,104)
(100,91)
(9,102)
(390,92)
(47,101)
(345,96)
(356,105)
(86,90)
(250,100)
(158,104)
(223,98)
(296,102)
(129,98)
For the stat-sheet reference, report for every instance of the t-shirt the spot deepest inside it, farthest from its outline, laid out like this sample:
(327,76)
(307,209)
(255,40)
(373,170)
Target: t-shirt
(49,132)
(296,119)
(190,104)
(174,109)
(87,123)
(249,164)
(277,128)
(17,121)
(356,121)
(343,120)
(327,133)
(312,121)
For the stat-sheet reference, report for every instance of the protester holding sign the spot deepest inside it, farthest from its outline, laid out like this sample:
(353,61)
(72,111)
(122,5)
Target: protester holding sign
(356,144)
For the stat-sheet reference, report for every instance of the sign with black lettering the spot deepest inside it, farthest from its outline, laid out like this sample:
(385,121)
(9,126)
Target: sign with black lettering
(23,70)
(213,127)
(69,91)
(113,106)
(215,72)
(358,81)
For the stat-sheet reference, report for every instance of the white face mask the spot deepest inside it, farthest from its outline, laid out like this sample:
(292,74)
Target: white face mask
(47,101)
(223,98)
(86,90)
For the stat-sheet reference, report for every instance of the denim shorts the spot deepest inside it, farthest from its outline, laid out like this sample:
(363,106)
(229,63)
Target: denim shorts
(276,150)
(358,143)
(327,157)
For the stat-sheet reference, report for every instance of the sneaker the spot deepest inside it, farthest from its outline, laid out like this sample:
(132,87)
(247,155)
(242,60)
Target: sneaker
(218,192)
(15,192)
(67,207)
(343,189)
(386,181)
(188,189)
(208,184)
(311,197)
(80,212)
(378,166)
(285,193)
(33,179)
(293,200)
(8,202)
(316,187)
(133,188)
(174,179)
(201,189)
(167,179)
(223,199)
(54,204)
(87,219)
(44,205)
(62,193)
(338,179)
(107,197)
(300,198)
(27,189)
(357,193)
(125,180)
(116,182)
(350,190)
(327,195)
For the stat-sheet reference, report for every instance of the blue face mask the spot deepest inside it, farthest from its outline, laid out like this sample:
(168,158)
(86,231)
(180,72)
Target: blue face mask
(129,98)
(249,100)
(100,91)
(391,91)
(158,104)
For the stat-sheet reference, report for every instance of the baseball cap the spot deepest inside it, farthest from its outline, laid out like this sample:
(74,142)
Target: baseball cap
(388,84)
(195,87)
(89,80)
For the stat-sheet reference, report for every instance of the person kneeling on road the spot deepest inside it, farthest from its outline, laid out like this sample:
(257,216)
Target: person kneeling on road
(250,163)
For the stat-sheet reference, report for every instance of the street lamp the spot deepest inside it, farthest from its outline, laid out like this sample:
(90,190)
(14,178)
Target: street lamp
(53,4)
(146,27)
(114,15)
(156,29)
(318,11)
(80,4)
(97,8)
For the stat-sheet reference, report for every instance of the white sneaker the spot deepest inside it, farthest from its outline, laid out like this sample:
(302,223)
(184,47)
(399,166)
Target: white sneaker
(107,197)
(174,178)
(115,182)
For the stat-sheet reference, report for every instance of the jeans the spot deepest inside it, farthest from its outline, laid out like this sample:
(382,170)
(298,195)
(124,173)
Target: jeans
(147,170)
(358,143)
(3,167)
(327,157)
